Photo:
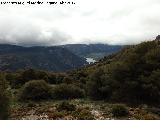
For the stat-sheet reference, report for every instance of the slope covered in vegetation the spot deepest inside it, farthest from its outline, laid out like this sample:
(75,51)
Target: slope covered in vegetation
(54,58)
(131,76)
(4,99)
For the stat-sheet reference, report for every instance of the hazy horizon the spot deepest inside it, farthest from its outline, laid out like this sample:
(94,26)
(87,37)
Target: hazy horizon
(41,45)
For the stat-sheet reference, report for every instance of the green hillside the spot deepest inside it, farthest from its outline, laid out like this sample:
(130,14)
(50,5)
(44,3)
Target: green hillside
(122,86)
(53,58)
(131,75)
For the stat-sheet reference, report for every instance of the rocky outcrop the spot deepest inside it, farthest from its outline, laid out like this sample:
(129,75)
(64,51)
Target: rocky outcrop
(158,38)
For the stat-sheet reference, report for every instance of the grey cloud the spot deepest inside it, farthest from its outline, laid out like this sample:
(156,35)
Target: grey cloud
(113,22)
(27,34)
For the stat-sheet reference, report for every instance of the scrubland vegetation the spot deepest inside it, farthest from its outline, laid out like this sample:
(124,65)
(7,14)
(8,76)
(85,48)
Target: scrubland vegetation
(130,77)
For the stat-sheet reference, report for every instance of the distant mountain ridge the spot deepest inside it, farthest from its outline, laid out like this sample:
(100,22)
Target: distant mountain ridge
(95,51)
(54,58)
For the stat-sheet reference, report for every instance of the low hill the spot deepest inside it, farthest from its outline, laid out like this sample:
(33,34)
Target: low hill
(131,75)
(14,57)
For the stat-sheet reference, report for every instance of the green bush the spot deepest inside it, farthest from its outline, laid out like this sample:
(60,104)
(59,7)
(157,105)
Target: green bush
(96,86)
(57,114)
(83,114)
(14,80)
(19,78)
(65,91)
(4,106)
(56,78)
(35,90)
(66,106)
(119,110)
(150,117)
(4,100)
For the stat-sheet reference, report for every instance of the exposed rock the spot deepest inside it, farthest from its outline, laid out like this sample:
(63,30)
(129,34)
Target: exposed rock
(158,38)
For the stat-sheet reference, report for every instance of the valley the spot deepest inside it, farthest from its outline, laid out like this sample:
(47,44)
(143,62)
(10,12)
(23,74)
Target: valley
(122,86)
(51,58)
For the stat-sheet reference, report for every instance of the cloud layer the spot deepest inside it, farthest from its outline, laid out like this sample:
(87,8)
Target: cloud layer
(88,21)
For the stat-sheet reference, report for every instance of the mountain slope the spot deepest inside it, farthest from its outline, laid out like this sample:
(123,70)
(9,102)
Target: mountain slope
(131,75)
(95,51)
(46,58)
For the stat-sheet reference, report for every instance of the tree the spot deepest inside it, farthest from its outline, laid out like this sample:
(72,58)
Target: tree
(4,99)
(67,91)
(97,87)
(35,90)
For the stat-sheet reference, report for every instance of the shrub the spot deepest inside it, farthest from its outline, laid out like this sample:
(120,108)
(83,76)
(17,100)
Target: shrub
(4,100)
(4,106)
(83,114)
(56,78)
(19,78)
(35,90)
(150,117)
(64,91)
(119,111)
(14,80)
(28,75)
(94,84)
(57,115)
(66,106)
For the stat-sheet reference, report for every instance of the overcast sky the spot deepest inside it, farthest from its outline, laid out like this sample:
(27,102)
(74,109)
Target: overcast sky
(87,21)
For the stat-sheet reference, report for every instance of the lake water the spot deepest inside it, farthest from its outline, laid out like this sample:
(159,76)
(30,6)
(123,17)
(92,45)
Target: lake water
(90,60)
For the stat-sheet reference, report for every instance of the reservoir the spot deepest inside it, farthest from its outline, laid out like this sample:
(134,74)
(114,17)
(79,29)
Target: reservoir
(90,60)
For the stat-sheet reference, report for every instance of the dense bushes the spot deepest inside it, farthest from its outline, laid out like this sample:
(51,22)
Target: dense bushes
(4,100)
(150,117)
(35,90)
(40,90)
(96,86)
(4,106)
(19,78)
(67,91)
(130,76)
